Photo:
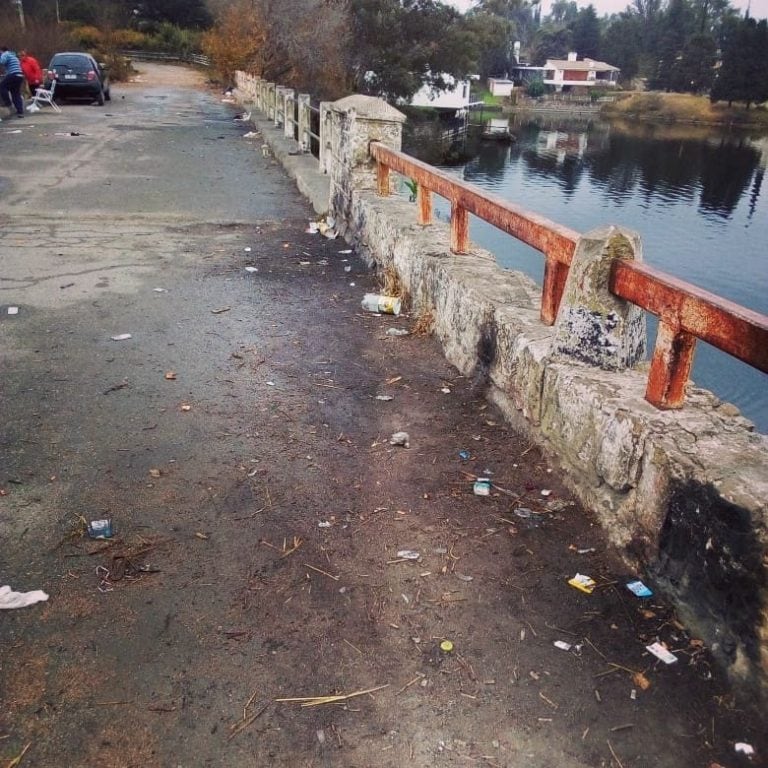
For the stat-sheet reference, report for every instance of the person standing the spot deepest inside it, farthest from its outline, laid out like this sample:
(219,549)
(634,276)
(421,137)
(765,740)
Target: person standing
(10,85)
(30,66)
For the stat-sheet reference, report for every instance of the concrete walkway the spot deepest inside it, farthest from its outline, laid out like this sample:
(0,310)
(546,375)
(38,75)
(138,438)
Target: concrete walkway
(239,443)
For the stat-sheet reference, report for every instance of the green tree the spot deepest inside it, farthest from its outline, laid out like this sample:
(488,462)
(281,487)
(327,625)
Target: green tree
(695,69)
(649,15)
(622,44)
(563,12)
(401,45)
(521,17)
(550,42)
(536,88)
(491,37)
(677,26)
(743,74)
(183,13)
(585,33)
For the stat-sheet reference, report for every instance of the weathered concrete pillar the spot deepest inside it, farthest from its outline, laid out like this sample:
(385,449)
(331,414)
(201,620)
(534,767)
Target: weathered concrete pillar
(592,324)
(304,122)
(356,121)
(279,104)
(288,96)
(325,131)
(269,106)
(260,86)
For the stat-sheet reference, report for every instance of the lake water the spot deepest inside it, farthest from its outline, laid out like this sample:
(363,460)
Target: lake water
(695,196)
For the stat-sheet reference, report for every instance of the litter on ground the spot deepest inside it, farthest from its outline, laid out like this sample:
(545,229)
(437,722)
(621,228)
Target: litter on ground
(660,652)
(10,599)
(583,583)
(400,438)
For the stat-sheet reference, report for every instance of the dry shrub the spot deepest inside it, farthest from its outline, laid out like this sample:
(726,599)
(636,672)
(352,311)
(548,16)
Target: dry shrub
(86,37)
(680,107)
(272,40)
(238,41)
(391,284)
(425,323)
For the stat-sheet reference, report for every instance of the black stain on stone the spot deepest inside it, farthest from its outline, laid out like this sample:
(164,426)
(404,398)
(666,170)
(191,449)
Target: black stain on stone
(487,347)
(710,558)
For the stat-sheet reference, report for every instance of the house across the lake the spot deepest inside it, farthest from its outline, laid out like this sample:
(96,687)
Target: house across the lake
(570,74)
(455,97)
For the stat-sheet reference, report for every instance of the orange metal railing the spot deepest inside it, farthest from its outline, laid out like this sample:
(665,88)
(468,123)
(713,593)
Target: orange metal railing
(686,313)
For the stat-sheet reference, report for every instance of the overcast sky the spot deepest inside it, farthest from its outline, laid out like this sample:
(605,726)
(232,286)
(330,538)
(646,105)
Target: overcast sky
(759,8)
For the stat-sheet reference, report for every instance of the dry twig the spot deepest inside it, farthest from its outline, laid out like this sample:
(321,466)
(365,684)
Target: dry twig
(313,701)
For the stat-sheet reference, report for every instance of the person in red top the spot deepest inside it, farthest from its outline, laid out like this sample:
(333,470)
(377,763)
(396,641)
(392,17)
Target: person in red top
(32,72)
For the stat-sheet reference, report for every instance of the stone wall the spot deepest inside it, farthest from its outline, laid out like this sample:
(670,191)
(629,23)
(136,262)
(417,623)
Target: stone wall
(682,493)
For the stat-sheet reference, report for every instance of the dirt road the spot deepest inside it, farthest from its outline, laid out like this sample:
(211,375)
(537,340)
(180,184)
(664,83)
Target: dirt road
(239,441)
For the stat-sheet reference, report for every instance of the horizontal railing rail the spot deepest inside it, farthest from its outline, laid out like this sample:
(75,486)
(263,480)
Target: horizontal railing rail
(189,58)
(555,241)
(686,313)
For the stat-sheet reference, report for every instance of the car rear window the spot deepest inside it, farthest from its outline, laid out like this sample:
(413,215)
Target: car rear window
(73,62)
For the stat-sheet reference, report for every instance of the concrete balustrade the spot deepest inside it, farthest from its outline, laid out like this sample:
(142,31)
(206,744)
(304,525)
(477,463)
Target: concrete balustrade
(304,122)
(681,493)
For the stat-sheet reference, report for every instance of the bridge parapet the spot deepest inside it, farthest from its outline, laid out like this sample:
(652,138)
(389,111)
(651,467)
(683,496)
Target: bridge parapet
(683,492)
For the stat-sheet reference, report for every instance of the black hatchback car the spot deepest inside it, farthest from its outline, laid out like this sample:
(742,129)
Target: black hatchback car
(78,75)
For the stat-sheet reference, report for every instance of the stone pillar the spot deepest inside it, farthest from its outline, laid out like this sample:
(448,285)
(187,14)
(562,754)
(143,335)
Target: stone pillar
(279,104)
(288,110)
(269,101)
(324,132)
(592,324)
(305,139)
(261,84)
(356,121)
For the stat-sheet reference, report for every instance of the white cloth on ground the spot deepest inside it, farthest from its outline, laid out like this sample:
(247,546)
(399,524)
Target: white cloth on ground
(10,599)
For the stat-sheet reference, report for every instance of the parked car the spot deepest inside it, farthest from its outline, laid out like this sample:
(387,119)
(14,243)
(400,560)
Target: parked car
(78,75)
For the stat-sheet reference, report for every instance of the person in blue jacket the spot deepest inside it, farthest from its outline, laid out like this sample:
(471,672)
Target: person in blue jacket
(10,85)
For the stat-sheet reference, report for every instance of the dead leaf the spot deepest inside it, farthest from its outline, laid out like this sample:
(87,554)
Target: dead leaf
(170,375)
(648,614)
(203,536)
(641,681)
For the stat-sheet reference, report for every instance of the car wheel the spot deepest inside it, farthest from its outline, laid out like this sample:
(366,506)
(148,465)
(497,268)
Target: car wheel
(107,96)
(100,96)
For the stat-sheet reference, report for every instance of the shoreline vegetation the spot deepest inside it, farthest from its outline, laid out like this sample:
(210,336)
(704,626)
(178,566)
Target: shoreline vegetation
(659,108)
(655,107)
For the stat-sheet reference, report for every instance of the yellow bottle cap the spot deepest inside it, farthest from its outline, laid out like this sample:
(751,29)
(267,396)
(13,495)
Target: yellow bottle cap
(446,646)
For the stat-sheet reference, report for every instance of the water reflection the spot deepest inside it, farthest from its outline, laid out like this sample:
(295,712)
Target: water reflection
(696,196)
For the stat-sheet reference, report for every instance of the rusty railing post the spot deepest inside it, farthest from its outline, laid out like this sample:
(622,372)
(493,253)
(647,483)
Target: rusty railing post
(459,228)
(555,275)
(670,367)
(424,201)
(382,179)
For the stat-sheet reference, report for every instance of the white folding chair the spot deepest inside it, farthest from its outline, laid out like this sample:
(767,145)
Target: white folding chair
(44,96)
